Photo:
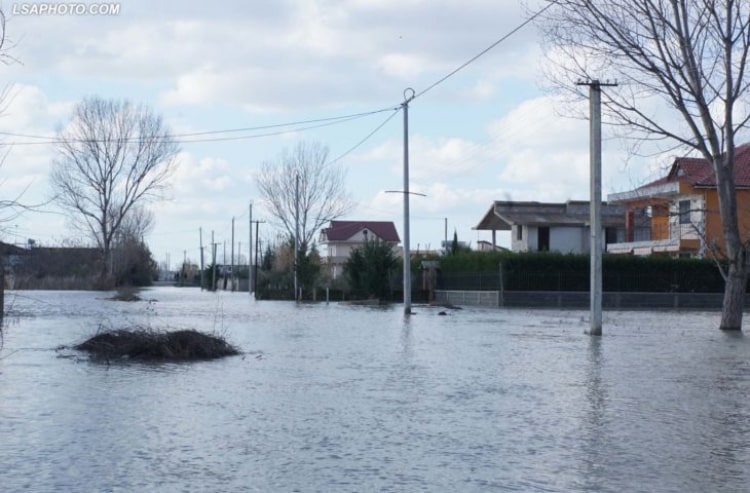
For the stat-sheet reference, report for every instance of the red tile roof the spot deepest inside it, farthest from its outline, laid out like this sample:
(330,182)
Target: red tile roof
(699,172)
(343,230)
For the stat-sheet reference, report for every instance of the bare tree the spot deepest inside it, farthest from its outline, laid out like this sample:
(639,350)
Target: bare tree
(138,222)
(131,259)
(302,182)
(11,208)
(681,66)
(113,156)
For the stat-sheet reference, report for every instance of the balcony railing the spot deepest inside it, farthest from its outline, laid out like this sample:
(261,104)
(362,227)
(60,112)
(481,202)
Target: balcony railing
(656,238)
(672,231)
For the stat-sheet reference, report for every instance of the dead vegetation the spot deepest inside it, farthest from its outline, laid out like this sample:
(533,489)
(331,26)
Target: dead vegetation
(126,293)
(150,345)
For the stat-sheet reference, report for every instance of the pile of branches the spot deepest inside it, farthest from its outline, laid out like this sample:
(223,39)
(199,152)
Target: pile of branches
(151,345)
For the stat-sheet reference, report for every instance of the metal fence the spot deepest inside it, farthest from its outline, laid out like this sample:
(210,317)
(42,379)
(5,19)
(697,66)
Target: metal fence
(641,281)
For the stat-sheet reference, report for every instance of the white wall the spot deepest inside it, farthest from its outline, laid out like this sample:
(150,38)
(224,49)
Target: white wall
(532,238)
(563,239)
(517,245)
(566,240)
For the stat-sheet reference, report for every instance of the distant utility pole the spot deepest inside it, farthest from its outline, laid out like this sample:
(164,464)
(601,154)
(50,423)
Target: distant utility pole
(213,276)
(200,232)
(255,274)
(232,255)
(595,204)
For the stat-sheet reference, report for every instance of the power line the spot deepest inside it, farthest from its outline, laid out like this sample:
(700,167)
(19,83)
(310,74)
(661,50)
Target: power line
(287,124)
(484,51)
(367,137)
(186,138)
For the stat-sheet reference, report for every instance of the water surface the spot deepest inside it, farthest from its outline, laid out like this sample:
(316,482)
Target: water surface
(340,398)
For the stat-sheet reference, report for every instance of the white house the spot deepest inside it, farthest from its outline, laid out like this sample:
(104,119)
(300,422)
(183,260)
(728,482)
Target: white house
(342,237)
(560,227)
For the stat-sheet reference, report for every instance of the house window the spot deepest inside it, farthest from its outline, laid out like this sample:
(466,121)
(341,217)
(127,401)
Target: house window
(684,212)
(610,235)
(519,232)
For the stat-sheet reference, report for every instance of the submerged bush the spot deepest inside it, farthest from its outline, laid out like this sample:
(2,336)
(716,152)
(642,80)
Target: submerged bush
(126,293)
(150,345)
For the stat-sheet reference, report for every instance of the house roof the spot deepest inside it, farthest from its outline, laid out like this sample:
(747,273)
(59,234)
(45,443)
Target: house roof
(343,230)
(699,172)
(504,214)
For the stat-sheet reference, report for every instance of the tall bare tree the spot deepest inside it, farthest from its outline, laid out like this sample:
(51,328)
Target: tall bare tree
(113,156)
(301,182)
(10,208)
(681,66)
(138,222)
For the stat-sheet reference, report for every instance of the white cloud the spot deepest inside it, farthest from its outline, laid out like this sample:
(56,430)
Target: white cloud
(430,158)
(481,91)
(405,66)
(276,55)
(193,176)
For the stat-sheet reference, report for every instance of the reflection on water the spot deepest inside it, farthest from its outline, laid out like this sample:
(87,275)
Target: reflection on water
(340,398)
(595,444)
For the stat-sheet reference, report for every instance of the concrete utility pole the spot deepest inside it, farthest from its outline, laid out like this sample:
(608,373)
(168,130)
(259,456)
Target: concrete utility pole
(595,204)
(408,96)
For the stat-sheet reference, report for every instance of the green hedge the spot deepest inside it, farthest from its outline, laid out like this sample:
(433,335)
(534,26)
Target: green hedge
(567,272)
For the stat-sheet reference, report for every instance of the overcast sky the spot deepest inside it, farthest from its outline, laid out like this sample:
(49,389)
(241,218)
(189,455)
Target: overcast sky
(490,132)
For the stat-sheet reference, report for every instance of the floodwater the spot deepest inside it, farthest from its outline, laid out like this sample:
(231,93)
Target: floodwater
(330,398)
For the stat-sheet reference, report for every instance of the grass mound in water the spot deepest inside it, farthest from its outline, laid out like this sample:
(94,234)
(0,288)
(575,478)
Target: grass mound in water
(151,345)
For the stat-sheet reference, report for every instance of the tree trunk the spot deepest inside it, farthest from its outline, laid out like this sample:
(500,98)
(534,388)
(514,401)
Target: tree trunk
(106,279)
(736,279)
(734,297)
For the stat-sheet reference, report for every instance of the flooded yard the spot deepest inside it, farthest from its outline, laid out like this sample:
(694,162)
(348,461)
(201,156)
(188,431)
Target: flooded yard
(330,397)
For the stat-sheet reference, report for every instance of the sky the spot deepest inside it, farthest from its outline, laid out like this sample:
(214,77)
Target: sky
(492,131)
